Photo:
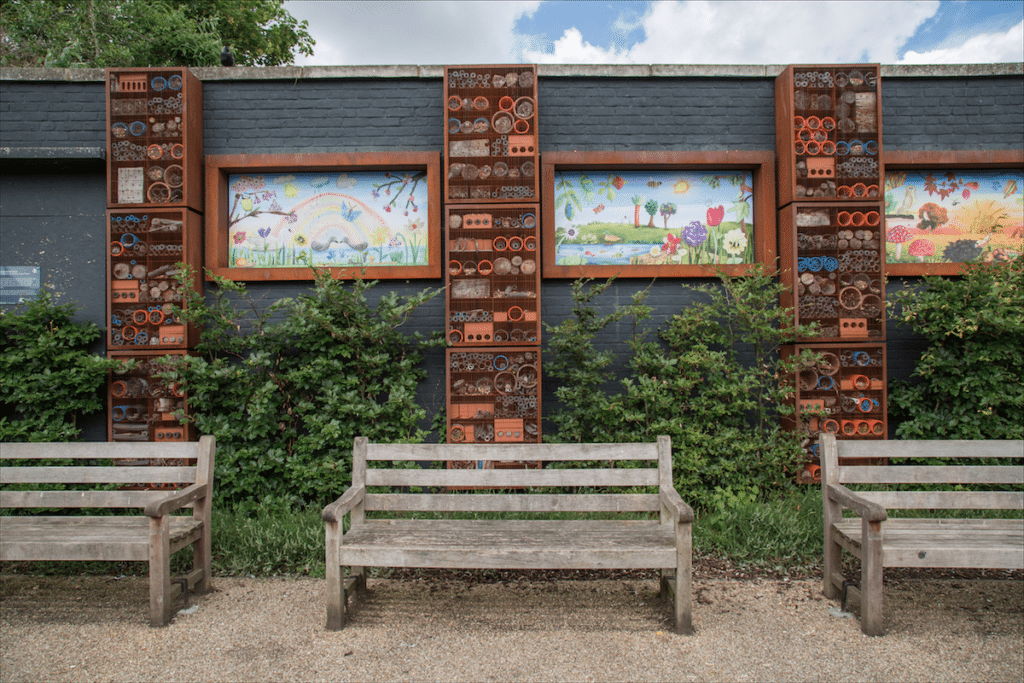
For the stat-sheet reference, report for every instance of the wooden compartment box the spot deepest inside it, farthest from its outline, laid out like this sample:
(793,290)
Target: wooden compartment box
(143,407)
(490,135)
(494,395)
(154,138)
(828,133)
(832,258)
(144,248)
(843,393)
(493,275)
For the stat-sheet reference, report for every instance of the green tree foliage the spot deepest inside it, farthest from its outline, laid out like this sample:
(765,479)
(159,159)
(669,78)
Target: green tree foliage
(969,383)
(48,377)
(123,33)
(286,388)
(712,382)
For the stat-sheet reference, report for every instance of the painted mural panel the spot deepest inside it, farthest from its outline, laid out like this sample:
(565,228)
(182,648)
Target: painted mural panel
(344,219)
(953,215)
(654,217)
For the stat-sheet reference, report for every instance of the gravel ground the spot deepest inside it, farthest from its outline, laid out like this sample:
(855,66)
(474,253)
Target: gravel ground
(524,629)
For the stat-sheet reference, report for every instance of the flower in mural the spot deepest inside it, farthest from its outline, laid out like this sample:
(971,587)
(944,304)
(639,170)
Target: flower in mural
(671,243)
(695,234)
(264,232)
(715,215)
(735,242)
(239,236)
(300,240)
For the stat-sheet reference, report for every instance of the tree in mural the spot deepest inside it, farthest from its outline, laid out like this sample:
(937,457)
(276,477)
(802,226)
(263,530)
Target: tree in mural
(402,183)
(667,209)
(651,207)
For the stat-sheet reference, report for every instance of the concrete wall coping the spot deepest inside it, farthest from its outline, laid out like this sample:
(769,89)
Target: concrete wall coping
(211,73)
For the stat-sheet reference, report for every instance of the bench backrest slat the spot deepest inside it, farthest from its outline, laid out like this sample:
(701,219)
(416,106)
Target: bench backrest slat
(92,450)
(934,474)
(79,499)
(97,475)
(946,500)
(97,464)
(834,451)
(931,449)
(513,478)
(512,452)
(512,502)
(540,488)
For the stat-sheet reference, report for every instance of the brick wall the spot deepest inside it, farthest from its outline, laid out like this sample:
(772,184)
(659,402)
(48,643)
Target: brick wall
(51,200)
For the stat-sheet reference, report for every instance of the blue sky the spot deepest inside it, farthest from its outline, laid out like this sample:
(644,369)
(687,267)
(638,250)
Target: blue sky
(667,32)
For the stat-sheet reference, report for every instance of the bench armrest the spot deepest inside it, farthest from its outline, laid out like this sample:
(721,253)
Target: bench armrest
(338,509)
(873,512)
(176,500)
(671,499)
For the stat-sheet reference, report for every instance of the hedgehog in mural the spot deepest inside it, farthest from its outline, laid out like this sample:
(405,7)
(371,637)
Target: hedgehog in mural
(962,251)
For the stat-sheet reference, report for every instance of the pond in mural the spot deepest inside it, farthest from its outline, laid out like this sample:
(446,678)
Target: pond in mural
(953,215)
(344,219)
(680,217)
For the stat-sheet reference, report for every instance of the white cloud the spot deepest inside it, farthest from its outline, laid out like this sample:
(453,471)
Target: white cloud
(701,32)
(987,48)
(390,32)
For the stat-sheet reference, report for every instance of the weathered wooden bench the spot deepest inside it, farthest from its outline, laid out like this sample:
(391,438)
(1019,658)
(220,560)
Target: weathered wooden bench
(587,543)
(916,542)
(153,536)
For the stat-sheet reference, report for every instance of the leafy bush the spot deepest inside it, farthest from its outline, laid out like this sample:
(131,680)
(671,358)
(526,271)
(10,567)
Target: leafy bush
(48,377)
(969,382)
(286,389)
(712,383)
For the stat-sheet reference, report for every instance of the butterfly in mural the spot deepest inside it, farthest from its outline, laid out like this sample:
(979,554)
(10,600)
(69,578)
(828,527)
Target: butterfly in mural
(349,212)
(599,208)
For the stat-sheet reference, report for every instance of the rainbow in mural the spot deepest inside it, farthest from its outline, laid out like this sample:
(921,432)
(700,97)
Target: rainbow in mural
(342,219)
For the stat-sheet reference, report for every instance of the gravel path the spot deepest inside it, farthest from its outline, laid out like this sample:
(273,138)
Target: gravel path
(94,629)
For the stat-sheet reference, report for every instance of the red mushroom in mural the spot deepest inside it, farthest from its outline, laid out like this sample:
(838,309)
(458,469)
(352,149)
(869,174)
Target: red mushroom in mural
(921,248)
(898,235)
(932,216)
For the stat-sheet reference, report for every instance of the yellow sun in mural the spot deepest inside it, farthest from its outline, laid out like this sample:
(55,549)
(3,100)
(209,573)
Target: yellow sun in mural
(682,186)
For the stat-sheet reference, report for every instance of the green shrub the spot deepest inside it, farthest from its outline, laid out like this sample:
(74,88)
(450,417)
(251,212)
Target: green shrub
(711,382)
(969,382)
(285,389)
(48,377)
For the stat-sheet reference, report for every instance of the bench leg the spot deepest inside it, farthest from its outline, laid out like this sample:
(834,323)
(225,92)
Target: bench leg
(336,597)
(159,571)
(833,553)
(202,556)
(871,579)
(682,606)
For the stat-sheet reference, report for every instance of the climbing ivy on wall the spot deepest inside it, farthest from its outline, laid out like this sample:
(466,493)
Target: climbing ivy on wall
(285,388)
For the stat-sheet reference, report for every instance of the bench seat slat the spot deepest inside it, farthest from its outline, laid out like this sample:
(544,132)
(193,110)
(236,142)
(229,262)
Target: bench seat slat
(932,474)
(513,478)
(995,543)
(80,499)
(538,544)
(87,538)
(512,452)
(97,475)
(946,500)
(610,502)
(933,449)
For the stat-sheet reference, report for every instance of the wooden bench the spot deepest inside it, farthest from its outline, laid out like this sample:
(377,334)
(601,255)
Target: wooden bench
(151,537)
(586,543)
(915,542)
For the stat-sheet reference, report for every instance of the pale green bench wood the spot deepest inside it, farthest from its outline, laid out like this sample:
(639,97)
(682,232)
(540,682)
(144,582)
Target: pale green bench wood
(915,542)
(663,543)
(151,537)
